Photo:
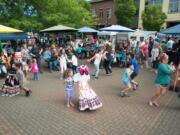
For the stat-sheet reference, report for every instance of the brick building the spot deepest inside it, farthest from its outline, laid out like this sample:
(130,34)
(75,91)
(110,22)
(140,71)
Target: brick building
(104,12)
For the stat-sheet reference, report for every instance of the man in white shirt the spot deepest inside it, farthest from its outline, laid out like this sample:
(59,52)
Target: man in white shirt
(170,44)
(74,64)
(133,44)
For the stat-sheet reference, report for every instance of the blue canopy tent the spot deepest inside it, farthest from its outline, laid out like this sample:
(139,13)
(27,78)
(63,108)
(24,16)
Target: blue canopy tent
(87,30)
(175,30)
(117,28)
(12,36)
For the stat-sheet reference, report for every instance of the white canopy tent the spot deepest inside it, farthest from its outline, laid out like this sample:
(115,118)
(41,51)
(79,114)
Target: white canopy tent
(106,33)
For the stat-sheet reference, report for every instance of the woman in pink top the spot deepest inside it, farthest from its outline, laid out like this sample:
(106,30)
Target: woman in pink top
(144,53)
(35,70)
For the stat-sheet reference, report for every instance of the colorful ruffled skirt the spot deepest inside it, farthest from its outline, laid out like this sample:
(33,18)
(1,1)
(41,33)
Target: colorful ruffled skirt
(89,100)
(10,90)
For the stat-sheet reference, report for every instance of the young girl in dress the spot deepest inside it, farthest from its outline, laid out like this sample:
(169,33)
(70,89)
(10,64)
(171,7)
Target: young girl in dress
(62,62)
(87,97)
(25,67)
(126,79)
(11,85)
(69,87)
(35,70)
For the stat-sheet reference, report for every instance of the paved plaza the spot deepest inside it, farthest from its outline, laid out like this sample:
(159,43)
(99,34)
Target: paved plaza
(45,113)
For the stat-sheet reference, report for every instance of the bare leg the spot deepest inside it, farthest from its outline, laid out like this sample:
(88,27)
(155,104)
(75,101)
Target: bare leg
(156,96)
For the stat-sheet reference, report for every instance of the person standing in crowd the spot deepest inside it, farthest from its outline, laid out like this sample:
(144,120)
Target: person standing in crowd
(26,53)
(18,55)
(79,51)
(162,79)
(74,61)
(170,44)
(97,61)
(68,79)
(154,57)
(62,62)
(25,67)
(132,44)
(144,53)
(150,46)
(22,80)
(35,70)
(36,54)
(53,61)
(107,60)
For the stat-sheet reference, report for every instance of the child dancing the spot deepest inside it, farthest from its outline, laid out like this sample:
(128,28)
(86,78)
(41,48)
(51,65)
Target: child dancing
(126,79)
(87,97)
(11,86)
(69,87)
(22,80)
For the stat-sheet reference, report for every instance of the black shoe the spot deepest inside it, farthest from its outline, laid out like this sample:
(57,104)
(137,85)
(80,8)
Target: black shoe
(28,93)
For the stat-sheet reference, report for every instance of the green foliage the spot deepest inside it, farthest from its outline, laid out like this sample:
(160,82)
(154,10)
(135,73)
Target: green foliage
(124,11)
(74,13)
(153,18)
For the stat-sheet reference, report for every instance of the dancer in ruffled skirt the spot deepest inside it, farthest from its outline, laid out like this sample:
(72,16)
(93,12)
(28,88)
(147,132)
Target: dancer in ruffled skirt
(87,97)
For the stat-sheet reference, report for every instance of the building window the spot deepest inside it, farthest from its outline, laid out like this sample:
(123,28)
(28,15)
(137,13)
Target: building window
(100,13)
(174,6)
(93,12)
(154,2)
(109,13)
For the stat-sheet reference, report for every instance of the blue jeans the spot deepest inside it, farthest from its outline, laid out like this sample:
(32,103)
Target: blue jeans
(52,65)
(74,69)
(96,72)
(36,76)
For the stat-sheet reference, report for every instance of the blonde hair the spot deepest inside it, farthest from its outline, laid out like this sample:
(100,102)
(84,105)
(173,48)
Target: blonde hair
(61,52)
(67,73)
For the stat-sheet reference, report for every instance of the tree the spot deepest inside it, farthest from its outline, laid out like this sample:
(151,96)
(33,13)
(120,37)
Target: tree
(36,15)
(153,18)
(124,11)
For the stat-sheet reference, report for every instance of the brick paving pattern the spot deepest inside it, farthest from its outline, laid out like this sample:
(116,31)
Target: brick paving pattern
(44,113)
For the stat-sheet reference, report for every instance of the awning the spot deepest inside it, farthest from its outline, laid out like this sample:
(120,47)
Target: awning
(58,28)
(12,36)
(117,28)
(5,29)
(106,33)
(175,30)
(87,30)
